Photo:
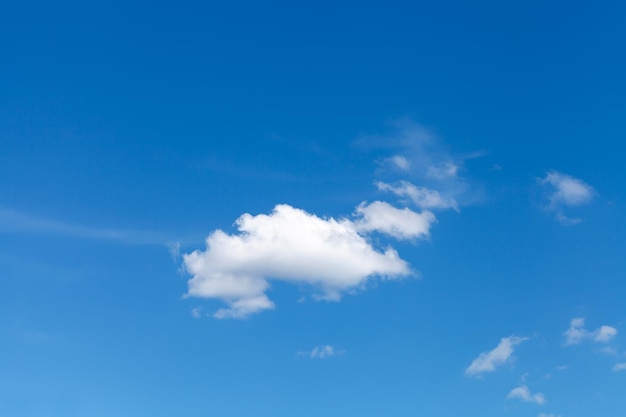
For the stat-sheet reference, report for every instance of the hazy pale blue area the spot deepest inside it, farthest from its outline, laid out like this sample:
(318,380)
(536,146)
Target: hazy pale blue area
(130,132)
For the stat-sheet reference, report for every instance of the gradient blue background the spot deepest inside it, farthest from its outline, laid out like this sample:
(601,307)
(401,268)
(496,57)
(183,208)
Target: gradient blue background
(169,120)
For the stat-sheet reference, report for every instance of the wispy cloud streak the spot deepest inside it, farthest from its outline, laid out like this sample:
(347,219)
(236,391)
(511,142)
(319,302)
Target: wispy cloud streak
(489,361)
(419,155)
(16,222)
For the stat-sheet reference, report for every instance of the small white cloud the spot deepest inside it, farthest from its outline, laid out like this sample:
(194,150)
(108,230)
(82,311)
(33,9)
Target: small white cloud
(568,190)
(618,367)
(562,367)
(243,307)
(609,350)
(489,361)
(548,415)
(567,221)
(399,223)
(196,312)
(321,352)
(523,393)
(443,171)
(294,246)
(565,191)
(577,333)
(604,334)
(422,197)
(399,162)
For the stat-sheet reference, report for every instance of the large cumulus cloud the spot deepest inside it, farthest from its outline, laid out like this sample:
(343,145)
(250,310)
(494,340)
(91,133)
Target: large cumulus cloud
(289,244)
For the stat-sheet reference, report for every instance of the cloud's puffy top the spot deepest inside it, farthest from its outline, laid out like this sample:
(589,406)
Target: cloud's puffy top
(566,191)
(294,246)
(523,393)
(577,333)
(489,361)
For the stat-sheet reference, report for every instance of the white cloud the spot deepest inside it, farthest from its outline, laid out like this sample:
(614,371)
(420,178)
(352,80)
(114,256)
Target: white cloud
(399,162)
(577,333)
(604,334)
(429,162)
(245,305)
(294,246)
(548,415)
(321,352)
(566,191)
(196,312)
(424,153)
(523,393)
(619,367)
(399,223)
(422,197)
(443,171)
(489,361)
(609,350)
(567,221)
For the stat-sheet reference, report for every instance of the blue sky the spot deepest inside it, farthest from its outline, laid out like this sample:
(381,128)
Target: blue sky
(312,209)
